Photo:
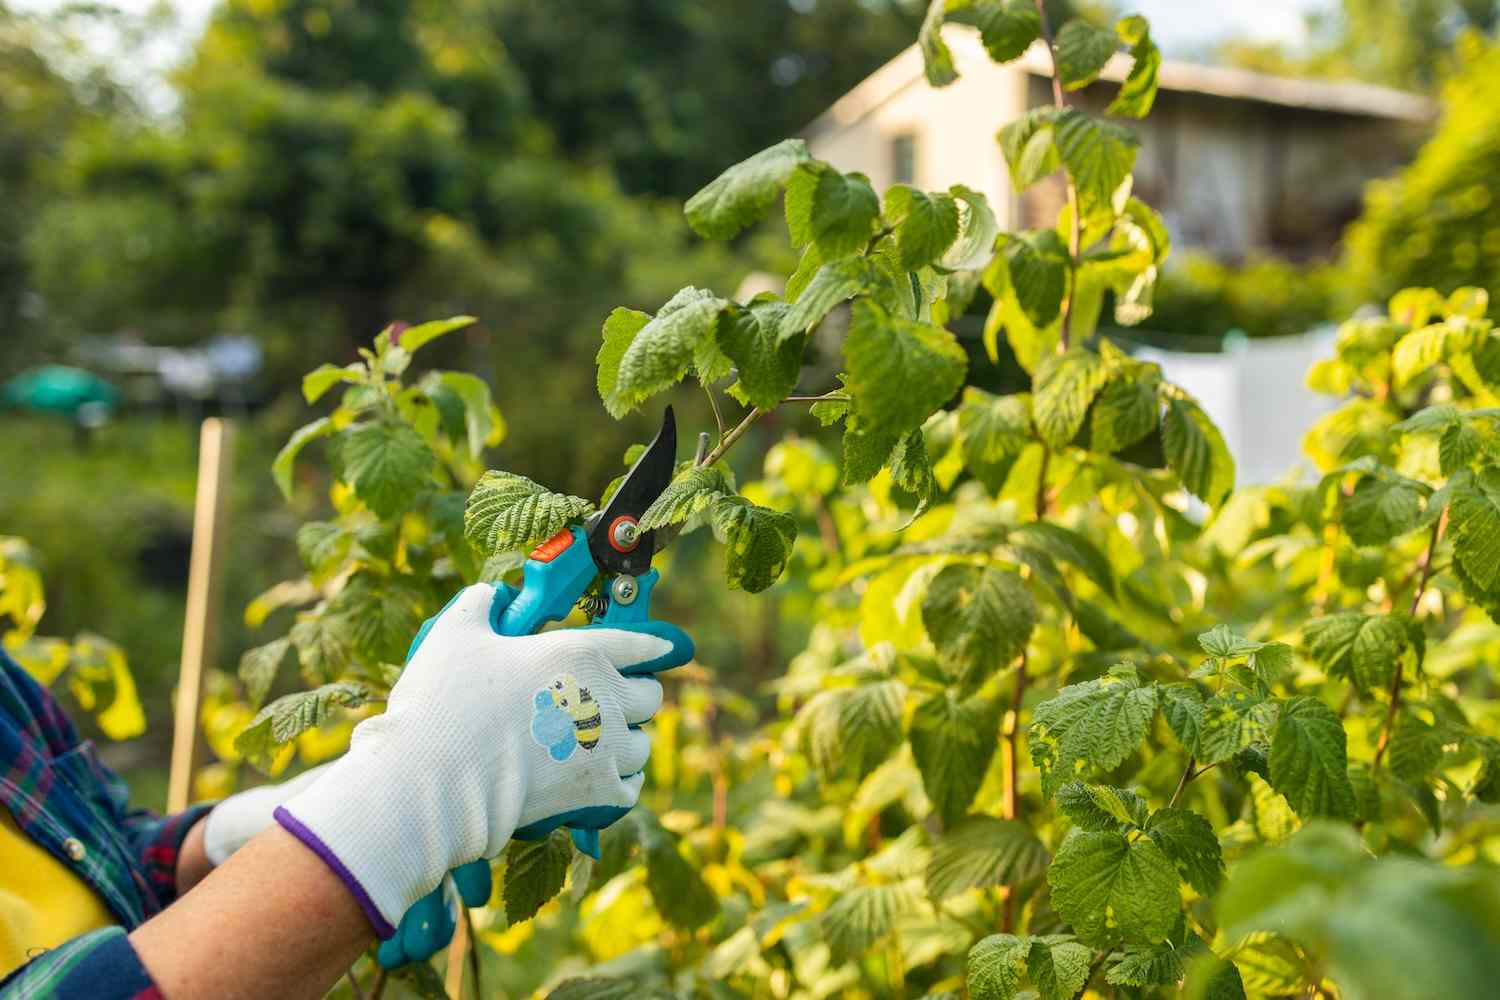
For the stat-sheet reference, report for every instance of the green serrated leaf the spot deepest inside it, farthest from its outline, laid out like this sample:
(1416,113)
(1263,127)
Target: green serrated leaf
(1038,264)
(993,431)
(952,741)
(977,230)
(291,715)
(387,464)
(1190,842)
(759,542)
(926,224)
(996,966)
(660,353)
(1225,642)
(1138,92)
(1310,762)
(1082,51)
(259,667)
(507,511)
(899,371)
(831,284)
(862,916)
(318,381)
(1006,27)
(1096,724)
(1157,965)
(1364,648)
(620,330)
(383,614)
(1101,807)
(1231,721)
(1182,707)
(1098,156)
(979,618)
(1112,891)
(1196,451)
(322,546)
(281,467)
(534,873)
(677,887)
(1065,386)
(768,365)
(1126,411)
(745,192)
(1067,545)
(1382,508)
(981,852)
(324,645)
(1416,747)
(835,212)
(937,58)
(694,490)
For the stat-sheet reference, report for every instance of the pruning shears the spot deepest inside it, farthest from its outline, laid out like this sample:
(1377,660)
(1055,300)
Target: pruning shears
(610,543)
(556,578)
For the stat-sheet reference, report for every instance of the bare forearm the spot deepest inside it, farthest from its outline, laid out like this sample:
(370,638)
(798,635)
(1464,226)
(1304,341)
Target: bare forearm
(274,920)
(192,860)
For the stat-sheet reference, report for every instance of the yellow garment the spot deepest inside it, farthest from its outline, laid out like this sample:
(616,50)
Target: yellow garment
(42,902)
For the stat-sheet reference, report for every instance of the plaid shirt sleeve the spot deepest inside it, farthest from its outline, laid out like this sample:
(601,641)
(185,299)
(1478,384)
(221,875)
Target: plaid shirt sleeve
(100,965)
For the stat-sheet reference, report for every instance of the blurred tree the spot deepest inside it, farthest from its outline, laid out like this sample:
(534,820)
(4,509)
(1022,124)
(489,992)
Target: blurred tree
(40,107)
(1400,43)
(1437,223)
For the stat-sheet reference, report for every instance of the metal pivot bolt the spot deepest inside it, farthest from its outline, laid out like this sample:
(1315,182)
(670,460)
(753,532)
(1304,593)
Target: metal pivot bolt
(624,590)
(624,534)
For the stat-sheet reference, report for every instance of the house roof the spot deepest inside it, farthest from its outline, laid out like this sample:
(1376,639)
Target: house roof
(1335,97)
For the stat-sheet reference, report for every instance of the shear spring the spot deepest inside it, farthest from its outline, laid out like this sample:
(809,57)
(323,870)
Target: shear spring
(593,605)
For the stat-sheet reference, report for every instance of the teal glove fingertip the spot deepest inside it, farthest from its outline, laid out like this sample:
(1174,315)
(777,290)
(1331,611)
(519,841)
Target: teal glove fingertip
(587,842)
(474,882)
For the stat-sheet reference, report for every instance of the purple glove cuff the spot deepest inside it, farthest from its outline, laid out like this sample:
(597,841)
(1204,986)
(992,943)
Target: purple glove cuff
(293,825)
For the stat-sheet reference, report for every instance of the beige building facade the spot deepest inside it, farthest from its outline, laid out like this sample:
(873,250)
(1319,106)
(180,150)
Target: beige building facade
(1237,162)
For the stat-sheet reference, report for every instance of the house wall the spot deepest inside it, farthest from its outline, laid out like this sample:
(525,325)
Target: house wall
(1231,177)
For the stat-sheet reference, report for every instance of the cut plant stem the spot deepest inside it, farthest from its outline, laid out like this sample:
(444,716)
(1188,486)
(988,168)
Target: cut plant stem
(734,435)
(1416,601)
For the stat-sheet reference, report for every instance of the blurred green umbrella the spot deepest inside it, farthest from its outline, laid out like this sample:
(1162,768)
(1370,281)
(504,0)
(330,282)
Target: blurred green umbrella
(59,389)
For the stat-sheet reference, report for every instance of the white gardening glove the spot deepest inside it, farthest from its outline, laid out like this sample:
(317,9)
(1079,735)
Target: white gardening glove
(234,822)
(485,736)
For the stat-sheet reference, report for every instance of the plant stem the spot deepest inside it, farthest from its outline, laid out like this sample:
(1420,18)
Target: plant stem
(378,990)
(354,987)
(1041,484)
(1416,601)
(728,440)
(713,404)
(1075,236)
(1188,774)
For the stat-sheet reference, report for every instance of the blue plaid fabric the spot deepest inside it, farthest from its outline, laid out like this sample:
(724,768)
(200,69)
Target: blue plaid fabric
(55,787)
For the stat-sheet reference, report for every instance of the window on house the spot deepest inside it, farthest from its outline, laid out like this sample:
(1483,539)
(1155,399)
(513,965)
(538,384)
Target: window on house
(904,159)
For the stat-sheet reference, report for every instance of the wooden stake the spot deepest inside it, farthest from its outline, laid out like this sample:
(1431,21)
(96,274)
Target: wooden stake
(215,463)
(456,949)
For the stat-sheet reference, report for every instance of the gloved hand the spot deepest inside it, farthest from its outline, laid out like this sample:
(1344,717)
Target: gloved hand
(234,822)
(485,737)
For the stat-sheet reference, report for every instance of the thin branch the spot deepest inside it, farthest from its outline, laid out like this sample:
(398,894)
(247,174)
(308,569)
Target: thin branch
(713,404)
(354,987)
(734,435)
(1075,237)
(1041,484)
(1188,774)
(378,990)
(1416,602)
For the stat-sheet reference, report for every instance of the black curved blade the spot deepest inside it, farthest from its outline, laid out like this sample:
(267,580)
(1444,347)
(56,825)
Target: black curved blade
(645,481)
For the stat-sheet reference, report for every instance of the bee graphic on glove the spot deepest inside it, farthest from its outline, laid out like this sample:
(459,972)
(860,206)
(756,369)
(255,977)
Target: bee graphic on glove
(565,716)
